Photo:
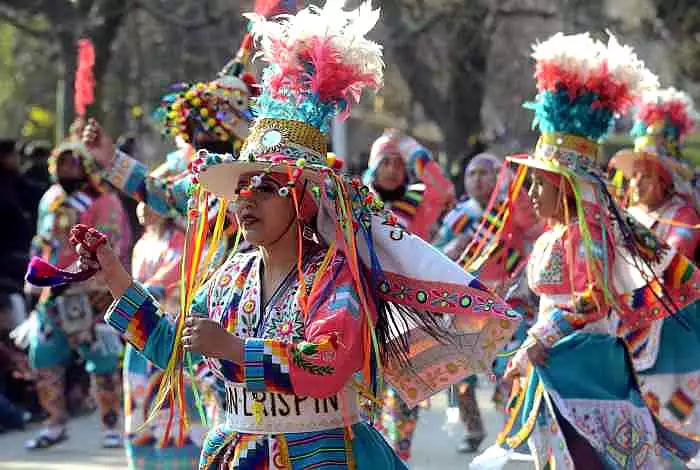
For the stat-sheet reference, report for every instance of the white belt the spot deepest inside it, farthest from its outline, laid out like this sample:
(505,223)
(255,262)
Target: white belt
(288,413)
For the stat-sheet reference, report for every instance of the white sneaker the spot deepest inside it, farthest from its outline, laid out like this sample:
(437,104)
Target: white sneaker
(112,440)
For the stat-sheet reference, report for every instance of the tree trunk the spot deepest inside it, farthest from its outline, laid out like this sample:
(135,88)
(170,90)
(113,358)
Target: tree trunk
(466,87)
(68,63)
(445,70)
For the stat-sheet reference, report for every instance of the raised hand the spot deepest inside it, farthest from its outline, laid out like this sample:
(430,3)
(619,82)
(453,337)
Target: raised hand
(98,142)
(95,253)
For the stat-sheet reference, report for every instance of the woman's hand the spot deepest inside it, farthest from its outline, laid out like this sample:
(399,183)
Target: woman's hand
(95,252)
(98,142)
(517,366)
(207,337)
(534,353)
(537,352)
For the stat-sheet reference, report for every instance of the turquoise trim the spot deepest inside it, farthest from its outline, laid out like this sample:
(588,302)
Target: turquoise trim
(601,359)
(679,347)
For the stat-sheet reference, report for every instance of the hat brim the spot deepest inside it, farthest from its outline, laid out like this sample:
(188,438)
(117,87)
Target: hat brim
(535,163)
(552,167)
(221,179)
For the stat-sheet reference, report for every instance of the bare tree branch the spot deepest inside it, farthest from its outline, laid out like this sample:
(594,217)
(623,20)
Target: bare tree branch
(43,34)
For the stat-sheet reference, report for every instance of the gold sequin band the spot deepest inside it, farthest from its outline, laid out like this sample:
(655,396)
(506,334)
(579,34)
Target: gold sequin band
(573,152)
(292,138)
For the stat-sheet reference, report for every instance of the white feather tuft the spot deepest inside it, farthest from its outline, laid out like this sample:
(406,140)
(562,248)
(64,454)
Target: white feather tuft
(666,95)
(346,31)
(574,53)
(625,67)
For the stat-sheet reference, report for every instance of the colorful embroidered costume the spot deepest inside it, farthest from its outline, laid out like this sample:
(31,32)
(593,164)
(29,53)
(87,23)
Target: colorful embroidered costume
(666,353)
(324,337)
(70,318)
(594,262)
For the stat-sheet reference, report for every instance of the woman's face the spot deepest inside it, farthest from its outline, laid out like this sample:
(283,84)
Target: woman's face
(391,173)
(263,214)
(646,186)
(544,196)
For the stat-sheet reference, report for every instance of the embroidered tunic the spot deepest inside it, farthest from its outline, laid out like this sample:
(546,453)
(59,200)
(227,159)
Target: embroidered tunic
(666,353)
(297,369)
(574,325)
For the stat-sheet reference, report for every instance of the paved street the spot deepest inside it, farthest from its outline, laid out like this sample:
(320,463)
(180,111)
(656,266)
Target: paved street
(434,447)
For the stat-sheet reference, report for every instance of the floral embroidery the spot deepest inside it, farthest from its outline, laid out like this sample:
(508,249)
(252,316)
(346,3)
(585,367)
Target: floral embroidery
(309,349)
(225,280)
(433,296)
(285,328)
(444,299)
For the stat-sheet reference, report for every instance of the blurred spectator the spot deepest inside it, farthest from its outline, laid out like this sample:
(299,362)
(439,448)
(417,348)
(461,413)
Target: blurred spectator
(35,166)
(477,145)
(18,201)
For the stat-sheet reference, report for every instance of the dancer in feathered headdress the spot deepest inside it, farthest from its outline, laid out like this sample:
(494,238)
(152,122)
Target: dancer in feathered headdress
(592,260)
(661,198)
(658,183)
(335,296)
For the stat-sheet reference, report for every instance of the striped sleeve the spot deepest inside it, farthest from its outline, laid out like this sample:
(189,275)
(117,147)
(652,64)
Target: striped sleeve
(163,195)
(139,318)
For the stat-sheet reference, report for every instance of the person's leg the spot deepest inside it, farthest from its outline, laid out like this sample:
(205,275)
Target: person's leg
(102,362)
(108,396)
(398,423)
(471,417)
(49,352)
(50,384)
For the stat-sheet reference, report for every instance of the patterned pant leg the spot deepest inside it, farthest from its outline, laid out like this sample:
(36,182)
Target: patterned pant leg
(398,423)
(51,388)
(469,410)
(107,389)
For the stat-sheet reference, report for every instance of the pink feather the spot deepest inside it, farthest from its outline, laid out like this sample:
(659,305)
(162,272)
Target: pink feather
(331,80)
(84,78)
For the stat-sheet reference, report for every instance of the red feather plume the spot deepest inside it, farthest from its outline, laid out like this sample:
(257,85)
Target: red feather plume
(84,78)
